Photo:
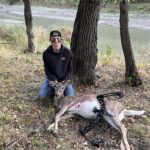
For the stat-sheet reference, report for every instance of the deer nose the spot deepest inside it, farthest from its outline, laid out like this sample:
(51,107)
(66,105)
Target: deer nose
(56,94)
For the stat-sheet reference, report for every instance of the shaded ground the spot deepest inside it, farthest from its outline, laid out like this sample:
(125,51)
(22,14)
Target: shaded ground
(23,120)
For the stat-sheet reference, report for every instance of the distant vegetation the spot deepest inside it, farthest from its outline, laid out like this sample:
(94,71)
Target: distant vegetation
(72,2)
(14,38)
(138,6)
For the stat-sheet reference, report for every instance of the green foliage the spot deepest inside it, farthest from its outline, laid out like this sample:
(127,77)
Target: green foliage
(140,7)
(146,120)
(11,2)
(5,118)
(48,2)
(14,37)
(129,81)
(57,2)
(72,2)
(36,143)
(41,38)
(131,1)
(108,54)
(137,131)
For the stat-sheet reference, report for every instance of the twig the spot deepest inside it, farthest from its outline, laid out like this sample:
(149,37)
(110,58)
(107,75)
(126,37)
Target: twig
(9,144)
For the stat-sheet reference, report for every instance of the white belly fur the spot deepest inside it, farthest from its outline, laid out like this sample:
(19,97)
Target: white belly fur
(85,109)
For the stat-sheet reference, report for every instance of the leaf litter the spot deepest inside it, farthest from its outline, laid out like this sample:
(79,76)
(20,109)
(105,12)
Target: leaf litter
(24,120)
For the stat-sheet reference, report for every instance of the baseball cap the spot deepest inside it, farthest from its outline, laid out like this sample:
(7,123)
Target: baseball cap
(55,33)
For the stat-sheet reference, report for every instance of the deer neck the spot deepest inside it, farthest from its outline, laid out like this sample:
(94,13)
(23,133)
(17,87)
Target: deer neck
(59,101)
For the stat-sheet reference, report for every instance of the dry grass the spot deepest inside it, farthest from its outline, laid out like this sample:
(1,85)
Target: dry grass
(23,121)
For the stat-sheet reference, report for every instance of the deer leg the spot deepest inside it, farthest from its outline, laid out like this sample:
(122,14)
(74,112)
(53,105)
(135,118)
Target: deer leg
(58,115)
(121,116)
(123,132)
(67,116)
(122,145)
(50,126)
(111,121)
(57,119)
(114,121)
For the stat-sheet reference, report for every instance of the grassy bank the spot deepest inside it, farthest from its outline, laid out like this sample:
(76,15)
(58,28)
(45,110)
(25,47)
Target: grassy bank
(23,120)
(15,38)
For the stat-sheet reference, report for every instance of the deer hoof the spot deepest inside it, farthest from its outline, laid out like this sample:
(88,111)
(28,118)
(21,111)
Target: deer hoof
(51,127)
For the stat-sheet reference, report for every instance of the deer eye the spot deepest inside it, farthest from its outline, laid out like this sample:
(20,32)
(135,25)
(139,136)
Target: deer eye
(61,90)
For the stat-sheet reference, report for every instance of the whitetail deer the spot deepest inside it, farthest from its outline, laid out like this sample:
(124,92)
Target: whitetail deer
(88,106)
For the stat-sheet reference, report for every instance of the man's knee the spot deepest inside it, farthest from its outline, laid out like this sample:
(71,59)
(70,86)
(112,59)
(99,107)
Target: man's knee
(42,95)
(69,90)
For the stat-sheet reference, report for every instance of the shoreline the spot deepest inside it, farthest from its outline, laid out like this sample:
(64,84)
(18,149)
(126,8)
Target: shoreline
(140,21)
(139,8)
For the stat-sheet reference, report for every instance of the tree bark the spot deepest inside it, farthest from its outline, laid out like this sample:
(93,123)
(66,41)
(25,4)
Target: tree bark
(28,22)
(131,76)
(84,41)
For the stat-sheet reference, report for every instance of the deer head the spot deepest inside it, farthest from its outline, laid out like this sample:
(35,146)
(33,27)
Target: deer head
(59,88)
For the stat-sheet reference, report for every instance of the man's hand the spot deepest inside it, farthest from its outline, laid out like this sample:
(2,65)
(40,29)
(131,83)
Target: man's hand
(53,82)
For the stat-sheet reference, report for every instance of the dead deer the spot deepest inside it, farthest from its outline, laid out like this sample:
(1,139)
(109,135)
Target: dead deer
(86,105)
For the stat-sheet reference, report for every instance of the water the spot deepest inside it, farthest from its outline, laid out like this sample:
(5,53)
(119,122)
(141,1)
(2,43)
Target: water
(108,28)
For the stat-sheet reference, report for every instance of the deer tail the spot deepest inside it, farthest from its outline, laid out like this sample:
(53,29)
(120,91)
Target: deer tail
(133,112)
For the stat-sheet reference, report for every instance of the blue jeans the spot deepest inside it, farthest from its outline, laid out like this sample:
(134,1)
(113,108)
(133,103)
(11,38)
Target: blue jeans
(46,90)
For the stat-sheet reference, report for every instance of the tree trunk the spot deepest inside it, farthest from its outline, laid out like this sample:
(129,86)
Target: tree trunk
(131,76)
(84,41)
(28,22)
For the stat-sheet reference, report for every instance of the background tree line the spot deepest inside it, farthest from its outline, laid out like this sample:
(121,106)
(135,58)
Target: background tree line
(74,2)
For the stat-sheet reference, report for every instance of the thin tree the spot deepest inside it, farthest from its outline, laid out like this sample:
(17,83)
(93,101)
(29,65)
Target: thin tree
(84,41)
(28,22)
(131,76)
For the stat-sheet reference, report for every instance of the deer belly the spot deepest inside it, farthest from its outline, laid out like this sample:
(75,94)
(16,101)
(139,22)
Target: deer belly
(85,109)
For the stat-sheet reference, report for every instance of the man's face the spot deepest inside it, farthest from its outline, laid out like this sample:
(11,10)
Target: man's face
(56,42)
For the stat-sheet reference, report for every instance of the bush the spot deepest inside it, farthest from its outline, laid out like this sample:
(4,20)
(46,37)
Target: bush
(13,37)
